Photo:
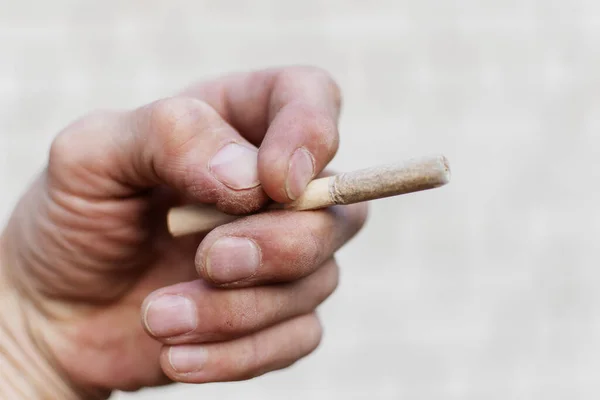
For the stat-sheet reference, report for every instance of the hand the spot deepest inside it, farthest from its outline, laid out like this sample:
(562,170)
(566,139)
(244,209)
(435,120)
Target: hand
(87,248)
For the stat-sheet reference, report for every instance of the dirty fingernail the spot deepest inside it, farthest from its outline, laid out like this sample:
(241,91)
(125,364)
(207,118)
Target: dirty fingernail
(236,166)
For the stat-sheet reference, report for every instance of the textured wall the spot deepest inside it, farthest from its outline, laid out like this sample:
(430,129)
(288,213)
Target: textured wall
(487,288)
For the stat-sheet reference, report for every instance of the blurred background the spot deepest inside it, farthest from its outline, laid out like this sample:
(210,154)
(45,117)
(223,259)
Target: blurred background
(487,288)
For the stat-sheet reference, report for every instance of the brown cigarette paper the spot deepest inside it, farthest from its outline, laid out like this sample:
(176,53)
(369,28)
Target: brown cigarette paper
(374,183)
(347,188)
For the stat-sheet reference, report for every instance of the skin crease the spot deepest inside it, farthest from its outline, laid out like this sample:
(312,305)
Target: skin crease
(87,250)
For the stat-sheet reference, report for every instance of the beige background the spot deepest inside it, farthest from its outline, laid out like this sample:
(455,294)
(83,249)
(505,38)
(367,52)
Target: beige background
(486,289)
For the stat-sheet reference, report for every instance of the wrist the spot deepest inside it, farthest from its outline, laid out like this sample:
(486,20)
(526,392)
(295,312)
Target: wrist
(27,369)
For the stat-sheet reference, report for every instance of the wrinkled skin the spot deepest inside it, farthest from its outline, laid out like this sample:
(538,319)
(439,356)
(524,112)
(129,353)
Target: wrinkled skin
(123,305)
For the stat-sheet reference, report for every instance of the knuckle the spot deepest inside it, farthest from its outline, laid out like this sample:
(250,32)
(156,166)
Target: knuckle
(170,109)
(333,88)
(324,132)
(66,149)
(310,71)
(59,149)
(318,125)
(292,75)
(327,80)
(175,120)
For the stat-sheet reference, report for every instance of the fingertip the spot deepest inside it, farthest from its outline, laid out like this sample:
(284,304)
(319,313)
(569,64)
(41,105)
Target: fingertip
(272,170)
(228,260)
(300,142)
(316,333)
(300,172)
(166,366)
(169,315)
(235,166)
(284,174)
(184,363)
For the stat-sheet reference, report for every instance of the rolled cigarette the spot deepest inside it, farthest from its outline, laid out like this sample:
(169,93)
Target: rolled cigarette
(347,188)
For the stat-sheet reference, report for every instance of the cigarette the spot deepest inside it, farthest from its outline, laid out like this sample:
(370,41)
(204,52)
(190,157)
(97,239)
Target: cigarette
(347,188)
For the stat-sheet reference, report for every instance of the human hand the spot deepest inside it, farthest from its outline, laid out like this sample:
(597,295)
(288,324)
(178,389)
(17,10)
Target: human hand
(87,248)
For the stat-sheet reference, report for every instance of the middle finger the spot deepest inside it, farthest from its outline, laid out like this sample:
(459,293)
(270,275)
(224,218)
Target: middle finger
(277,246)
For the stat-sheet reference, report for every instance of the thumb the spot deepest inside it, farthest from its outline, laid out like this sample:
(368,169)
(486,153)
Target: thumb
(179,142)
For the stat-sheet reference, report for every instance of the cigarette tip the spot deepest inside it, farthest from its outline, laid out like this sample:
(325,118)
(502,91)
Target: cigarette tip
(446,172)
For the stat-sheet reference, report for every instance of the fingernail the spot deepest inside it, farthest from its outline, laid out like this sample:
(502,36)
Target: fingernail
(231,259)
(236,166)
(301,171)
(170,315)
(187,358)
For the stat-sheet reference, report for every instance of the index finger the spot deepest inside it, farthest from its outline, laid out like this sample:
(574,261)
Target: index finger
(291,112)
